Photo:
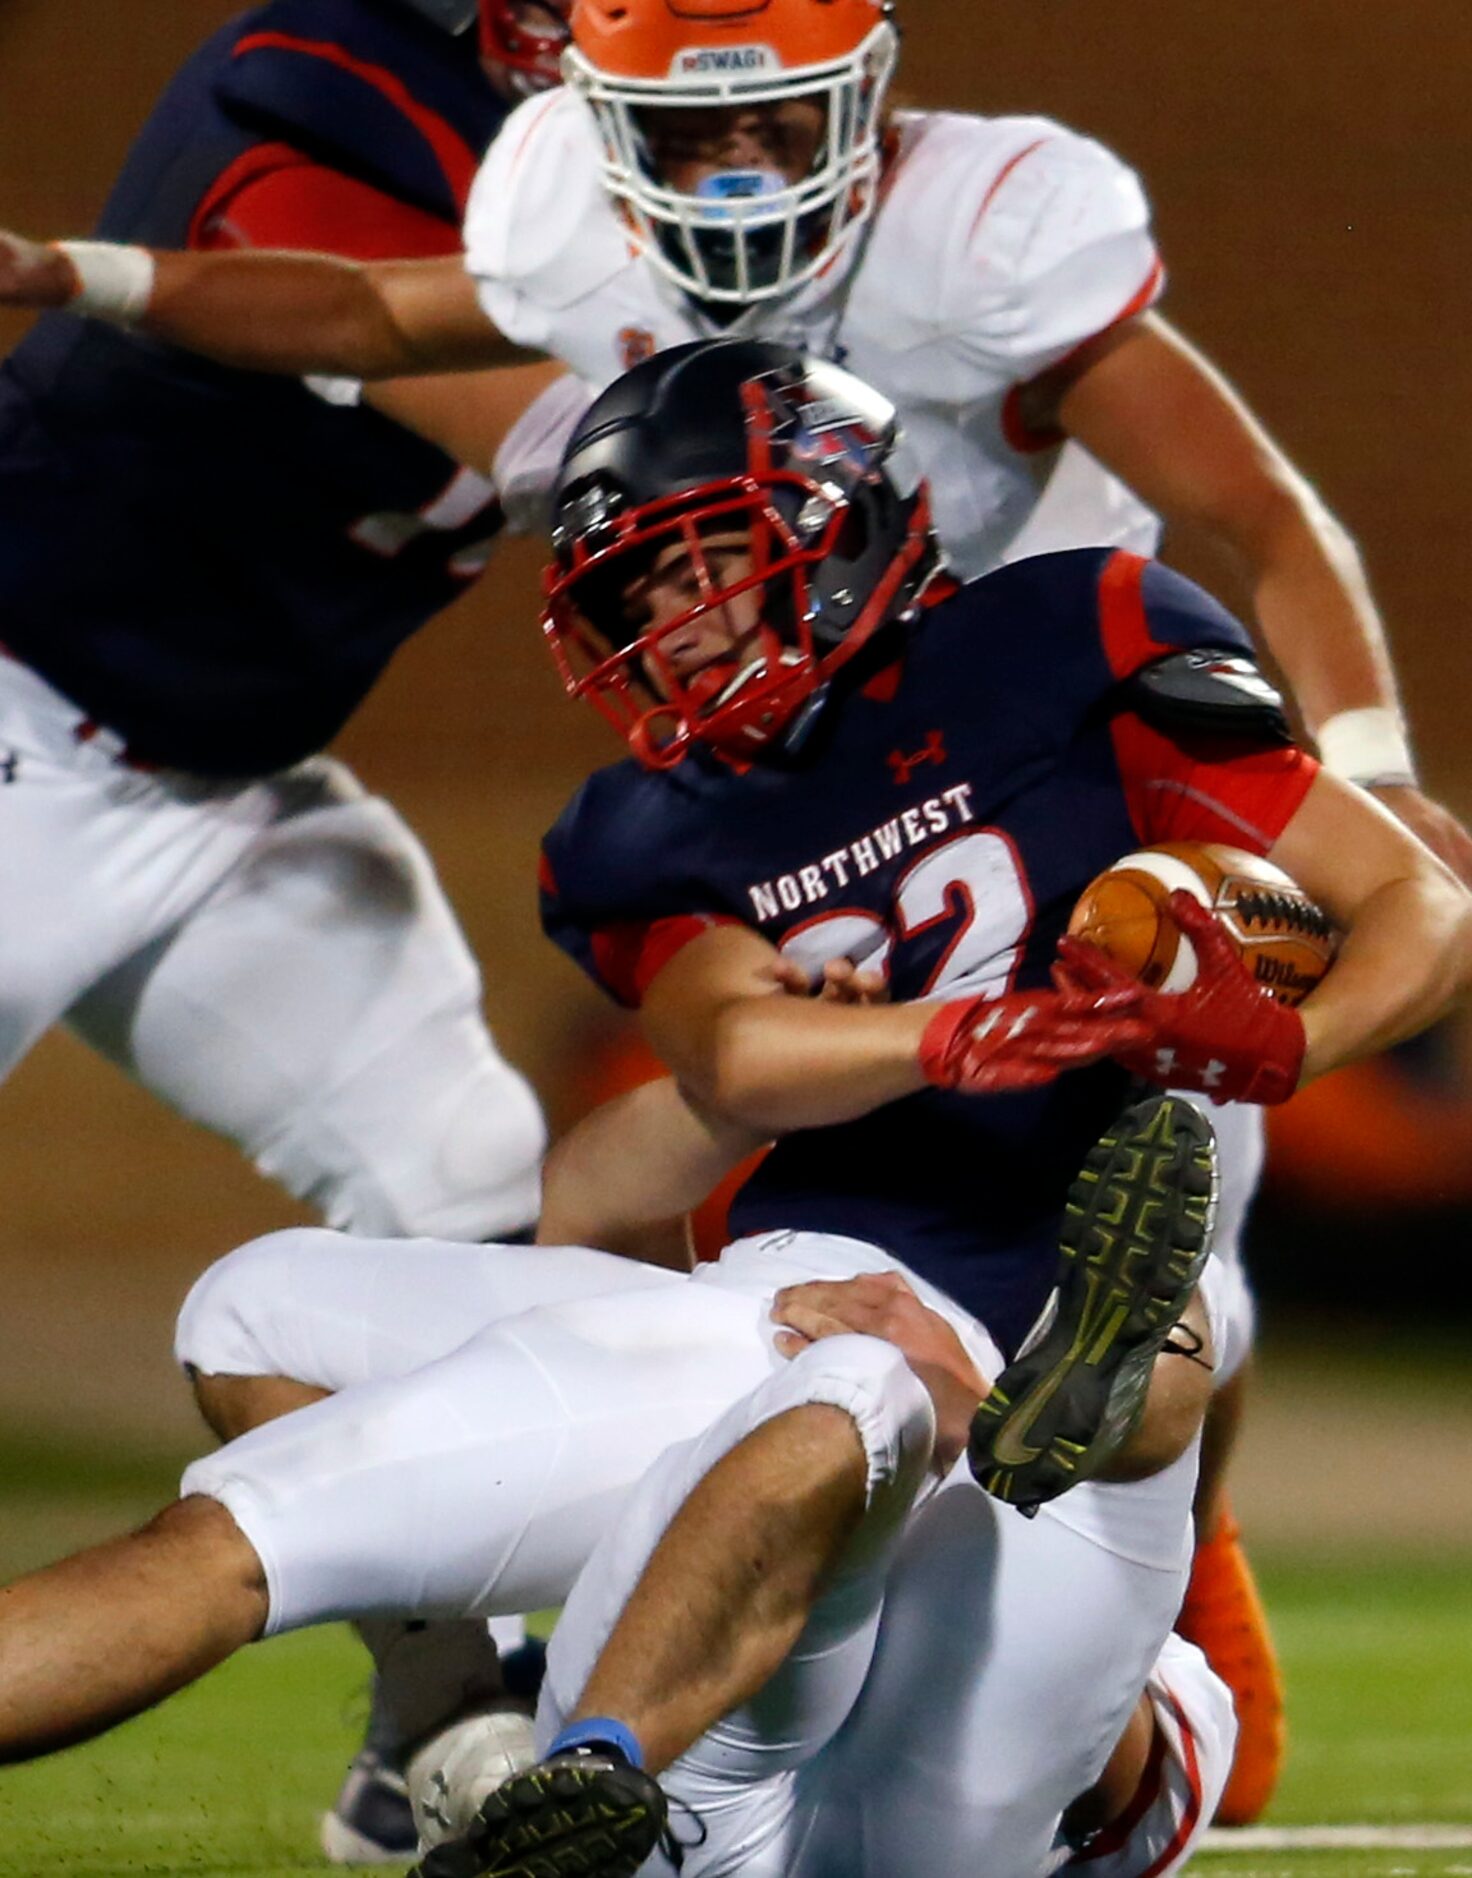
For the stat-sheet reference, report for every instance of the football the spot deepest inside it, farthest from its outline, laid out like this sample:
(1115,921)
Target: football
(1283,936)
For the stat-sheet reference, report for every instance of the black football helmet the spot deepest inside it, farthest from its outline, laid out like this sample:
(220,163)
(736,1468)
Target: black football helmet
(755,471)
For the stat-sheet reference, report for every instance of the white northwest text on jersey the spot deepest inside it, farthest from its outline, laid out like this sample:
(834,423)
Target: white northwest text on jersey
(936,815)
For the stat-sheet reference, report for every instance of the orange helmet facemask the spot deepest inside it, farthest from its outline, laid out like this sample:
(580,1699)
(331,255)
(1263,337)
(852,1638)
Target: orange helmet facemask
(751,234)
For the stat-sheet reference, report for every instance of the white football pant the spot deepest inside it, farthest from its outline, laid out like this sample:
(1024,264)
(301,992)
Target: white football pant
(275,959)
(456,1478)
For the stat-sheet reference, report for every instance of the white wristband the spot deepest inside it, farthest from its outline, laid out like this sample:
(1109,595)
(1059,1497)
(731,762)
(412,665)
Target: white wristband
(1367,747)
(115,281)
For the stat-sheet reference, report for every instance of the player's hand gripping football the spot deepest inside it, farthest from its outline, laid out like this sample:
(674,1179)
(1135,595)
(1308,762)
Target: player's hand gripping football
(32,274)
(1223,1036)
(984,1046)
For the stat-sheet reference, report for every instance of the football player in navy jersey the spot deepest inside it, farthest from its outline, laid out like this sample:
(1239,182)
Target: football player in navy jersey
(202,573)
(839,756)
(840,759)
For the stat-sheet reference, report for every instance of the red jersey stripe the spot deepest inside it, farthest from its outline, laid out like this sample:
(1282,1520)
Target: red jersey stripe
(274,197)
(458,162)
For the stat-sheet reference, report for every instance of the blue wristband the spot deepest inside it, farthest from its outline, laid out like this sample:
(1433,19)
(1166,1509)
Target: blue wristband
(599,1731)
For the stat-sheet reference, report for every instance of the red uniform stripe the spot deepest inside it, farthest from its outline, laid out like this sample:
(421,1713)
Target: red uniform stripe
(631,955)
(274,197)
(1128,642)
(1191,1762)
(1027,442)
(458,162)
(1001,176)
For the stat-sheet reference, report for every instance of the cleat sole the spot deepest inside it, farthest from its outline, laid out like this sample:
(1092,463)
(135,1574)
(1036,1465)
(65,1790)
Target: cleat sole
(571,1819)
(1136,1234)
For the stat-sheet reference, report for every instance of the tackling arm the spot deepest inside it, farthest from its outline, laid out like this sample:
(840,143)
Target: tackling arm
(293,314)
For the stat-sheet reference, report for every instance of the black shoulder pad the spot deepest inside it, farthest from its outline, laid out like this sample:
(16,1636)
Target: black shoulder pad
(1217,692)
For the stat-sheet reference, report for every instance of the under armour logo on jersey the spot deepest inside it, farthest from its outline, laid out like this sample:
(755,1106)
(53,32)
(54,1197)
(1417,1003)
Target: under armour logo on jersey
(904,767)
(9,766)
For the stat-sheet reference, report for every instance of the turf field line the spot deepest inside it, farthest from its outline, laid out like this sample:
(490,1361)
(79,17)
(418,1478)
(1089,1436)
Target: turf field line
(1340,1839)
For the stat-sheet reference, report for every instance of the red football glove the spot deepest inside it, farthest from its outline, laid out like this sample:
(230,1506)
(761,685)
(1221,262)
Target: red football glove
(1025,1038)
(1223,1035)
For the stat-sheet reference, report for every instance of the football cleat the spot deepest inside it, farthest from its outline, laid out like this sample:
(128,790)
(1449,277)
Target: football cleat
(1136,1233)
(371,1822)
(454,1772)
(575,1816)
(1223,1616)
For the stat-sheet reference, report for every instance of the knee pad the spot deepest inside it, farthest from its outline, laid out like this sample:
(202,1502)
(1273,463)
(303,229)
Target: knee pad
(456,1154)
(870,1381)
(229,1322)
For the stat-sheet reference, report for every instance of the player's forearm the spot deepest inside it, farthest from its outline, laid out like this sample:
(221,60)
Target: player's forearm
(1313,603)
(1405,961)
(777,1064)
(637,1161)
(271,312)
(292,314)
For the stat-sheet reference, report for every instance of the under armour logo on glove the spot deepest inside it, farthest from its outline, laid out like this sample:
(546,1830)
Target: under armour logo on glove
(1027,1038)
(1224,1036)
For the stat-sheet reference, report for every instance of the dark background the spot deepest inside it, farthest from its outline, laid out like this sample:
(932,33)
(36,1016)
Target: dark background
(1311,168)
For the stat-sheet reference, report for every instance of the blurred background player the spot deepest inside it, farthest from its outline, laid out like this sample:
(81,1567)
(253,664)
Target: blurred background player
(202,572)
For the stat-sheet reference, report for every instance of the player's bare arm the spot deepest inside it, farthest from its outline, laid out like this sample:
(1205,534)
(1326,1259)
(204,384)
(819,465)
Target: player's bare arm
(646,1157)
(774,1063)
(1149,407)
(1405,959)
(272,312)
(1407,952)
(654,1154)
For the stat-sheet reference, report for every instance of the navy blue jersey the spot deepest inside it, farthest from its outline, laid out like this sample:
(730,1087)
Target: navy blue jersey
(218,564)
(943,828)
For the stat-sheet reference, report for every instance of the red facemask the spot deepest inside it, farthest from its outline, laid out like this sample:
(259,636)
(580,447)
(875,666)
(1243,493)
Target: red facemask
(526,38)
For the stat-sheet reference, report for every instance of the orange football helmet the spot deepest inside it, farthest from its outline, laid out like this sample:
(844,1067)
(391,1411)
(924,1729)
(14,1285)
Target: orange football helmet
(744,235)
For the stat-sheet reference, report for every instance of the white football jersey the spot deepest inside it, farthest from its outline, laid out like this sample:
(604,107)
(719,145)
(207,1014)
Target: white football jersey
(999,246)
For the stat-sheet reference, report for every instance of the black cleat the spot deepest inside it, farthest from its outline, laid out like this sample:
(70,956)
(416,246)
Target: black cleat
(1136,1232)
(575,1816)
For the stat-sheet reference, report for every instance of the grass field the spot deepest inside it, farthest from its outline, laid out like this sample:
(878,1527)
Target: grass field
(226,1781)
